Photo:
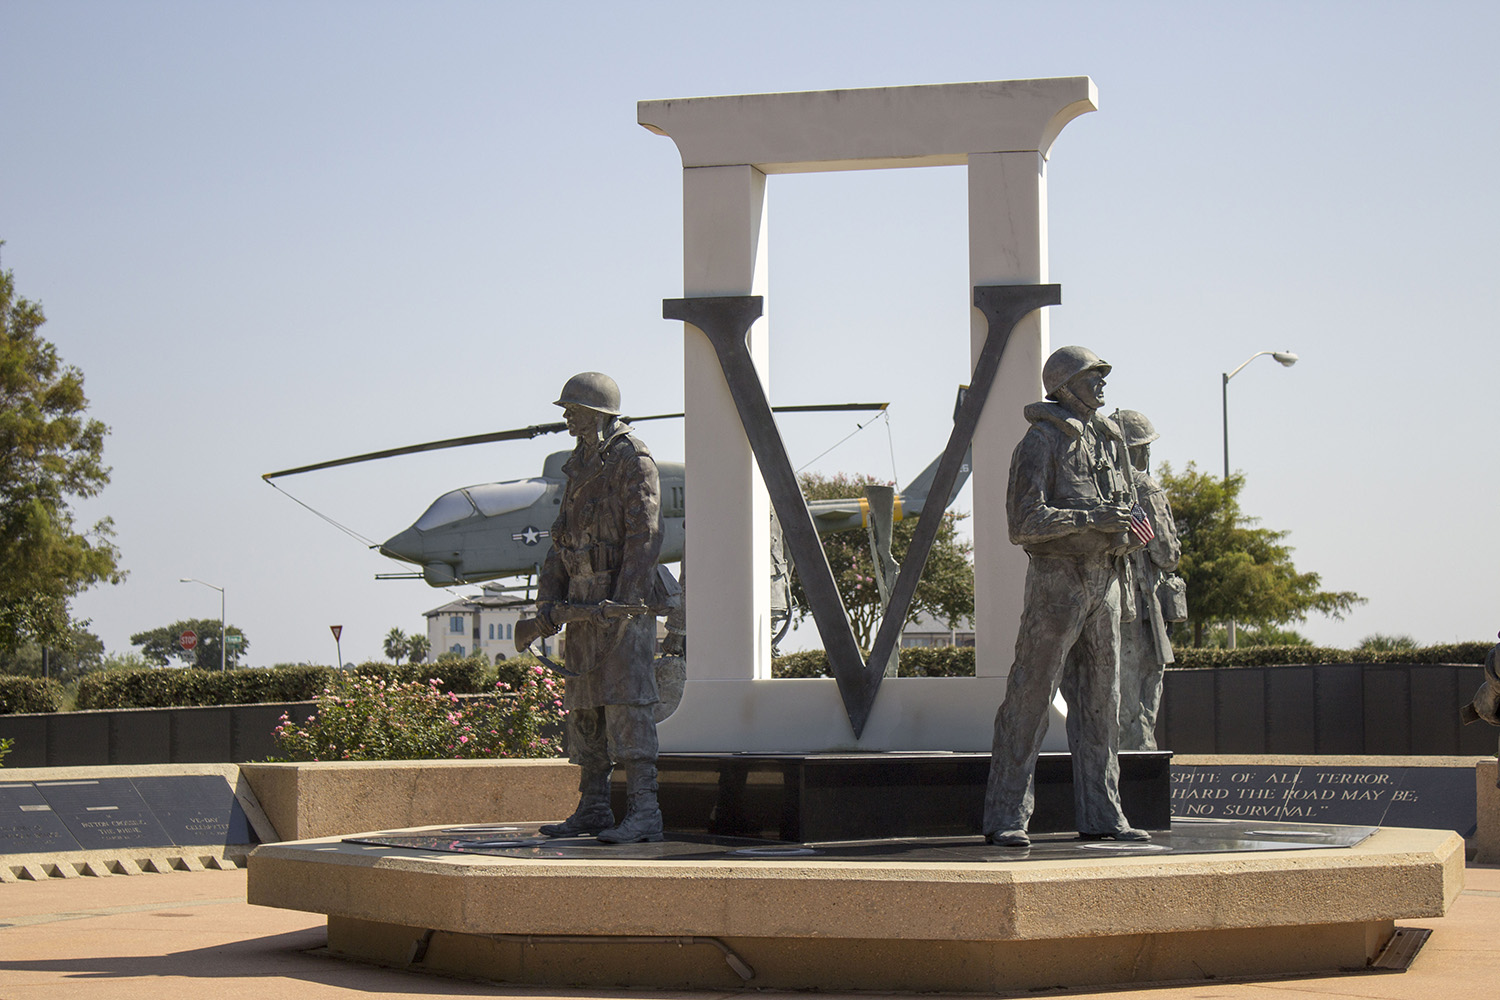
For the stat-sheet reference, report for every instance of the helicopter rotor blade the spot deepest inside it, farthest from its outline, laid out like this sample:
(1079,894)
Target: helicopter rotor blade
(805,408)
(517,434)
(523,433)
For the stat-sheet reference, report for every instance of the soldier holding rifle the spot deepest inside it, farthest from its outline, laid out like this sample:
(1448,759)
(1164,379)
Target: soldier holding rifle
(600,581)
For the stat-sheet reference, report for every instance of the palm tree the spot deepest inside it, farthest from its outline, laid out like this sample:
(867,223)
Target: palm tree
(397,644)
(416,648)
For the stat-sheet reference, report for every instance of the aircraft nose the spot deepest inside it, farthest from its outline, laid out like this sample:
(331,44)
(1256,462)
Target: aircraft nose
(406,546)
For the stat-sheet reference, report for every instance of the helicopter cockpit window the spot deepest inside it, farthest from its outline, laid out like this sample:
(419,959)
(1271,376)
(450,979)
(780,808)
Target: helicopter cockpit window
(445,509)
(494,499)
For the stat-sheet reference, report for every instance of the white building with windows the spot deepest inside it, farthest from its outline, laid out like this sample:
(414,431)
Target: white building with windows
(930,631)
(484,624)
(487,624)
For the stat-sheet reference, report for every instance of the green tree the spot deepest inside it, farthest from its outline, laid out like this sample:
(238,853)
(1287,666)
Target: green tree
(1217,636)
(397,644)
(946,590)
(50,455)
(162,645)
(1379,642)
(124,661)
(417,647)
(1233,568)
(78,653)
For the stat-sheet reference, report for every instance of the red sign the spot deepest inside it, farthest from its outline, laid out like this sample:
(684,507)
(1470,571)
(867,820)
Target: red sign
(337,631)
(189,639)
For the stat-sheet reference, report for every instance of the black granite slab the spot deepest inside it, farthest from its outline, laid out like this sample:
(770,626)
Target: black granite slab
(1434,798)
(196,809)
(201,735)
(139,736)
(104,813)
(179,810)
(522,841)
(27,823)
(81,745)
(829,797)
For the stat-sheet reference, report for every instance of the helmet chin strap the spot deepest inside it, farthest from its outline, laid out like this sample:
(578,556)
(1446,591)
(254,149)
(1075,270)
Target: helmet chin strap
(1068,398)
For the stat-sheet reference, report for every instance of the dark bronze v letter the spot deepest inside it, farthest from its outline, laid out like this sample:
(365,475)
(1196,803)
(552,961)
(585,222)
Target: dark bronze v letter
(726,320)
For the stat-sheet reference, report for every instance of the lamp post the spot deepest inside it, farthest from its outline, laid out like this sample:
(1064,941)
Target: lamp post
(223,639)
(1286,359)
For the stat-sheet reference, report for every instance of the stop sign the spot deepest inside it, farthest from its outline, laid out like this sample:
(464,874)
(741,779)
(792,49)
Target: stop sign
(189,639)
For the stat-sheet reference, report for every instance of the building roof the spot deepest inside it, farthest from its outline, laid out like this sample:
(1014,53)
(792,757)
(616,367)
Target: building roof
(468,605)
(926,623)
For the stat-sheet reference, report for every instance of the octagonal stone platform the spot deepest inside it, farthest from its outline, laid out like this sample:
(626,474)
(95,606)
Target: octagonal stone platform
(973,919)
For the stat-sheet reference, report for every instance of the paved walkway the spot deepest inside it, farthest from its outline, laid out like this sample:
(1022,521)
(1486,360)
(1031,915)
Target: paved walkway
(192,935)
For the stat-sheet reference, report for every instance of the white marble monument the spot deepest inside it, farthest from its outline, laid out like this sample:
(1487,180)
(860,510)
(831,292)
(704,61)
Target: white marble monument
(1003,132)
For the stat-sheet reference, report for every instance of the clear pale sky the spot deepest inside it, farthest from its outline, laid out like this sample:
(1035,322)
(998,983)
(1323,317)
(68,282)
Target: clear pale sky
(276,233)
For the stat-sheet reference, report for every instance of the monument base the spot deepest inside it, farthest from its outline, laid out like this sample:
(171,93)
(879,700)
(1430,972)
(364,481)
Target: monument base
(919,966)
(945,916)
(813,798)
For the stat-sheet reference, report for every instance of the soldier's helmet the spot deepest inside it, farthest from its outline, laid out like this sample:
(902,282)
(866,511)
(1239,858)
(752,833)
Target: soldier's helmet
(1067,362)
(593,390)
(1137,428)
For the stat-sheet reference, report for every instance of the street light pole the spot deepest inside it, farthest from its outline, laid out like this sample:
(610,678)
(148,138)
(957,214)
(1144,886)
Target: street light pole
(1286,359)
(223,636)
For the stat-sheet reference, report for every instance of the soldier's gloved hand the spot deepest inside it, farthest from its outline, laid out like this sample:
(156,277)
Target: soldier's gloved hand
(1110,517)
(675,644)
(544,615)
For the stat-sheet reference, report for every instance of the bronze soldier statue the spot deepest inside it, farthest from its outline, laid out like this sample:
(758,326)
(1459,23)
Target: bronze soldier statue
(1068,504)
(1145,648)
(600,578)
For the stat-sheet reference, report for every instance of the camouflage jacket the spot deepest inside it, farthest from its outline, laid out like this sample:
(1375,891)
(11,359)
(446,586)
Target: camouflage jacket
(605,543)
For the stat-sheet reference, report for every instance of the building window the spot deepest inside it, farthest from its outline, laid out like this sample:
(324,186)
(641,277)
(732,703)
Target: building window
(457,647)
(508,633)
(456,624)
(492,631)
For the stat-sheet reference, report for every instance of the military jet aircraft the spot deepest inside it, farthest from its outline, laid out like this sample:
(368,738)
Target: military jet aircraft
(493,530)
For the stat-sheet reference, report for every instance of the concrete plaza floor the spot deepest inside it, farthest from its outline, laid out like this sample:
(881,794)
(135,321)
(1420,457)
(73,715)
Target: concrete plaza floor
(192,935)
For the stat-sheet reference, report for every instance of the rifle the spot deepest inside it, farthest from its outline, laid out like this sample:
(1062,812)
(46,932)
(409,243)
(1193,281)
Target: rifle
(529,630)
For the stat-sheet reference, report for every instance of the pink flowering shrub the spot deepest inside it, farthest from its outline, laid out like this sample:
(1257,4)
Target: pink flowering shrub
(367,718)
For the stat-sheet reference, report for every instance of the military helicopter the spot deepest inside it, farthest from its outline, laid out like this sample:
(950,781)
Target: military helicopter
(480,533)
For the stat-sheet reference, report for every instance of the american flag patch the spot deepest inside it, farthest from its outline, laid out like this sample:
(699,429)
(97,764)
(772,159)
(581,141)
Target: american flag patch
(1140,524)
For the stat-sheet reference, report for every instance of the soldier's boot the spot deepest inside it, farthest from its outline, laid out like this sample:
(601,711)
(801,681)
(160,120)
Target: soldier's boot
(1123,833)
(643,818)
(593,813)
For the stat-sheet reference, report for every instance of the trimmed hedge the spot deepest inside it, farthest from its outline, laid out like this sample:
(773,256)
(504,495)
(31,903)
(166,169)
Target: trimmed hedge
(919,661)
(958,661)
(29,694)
(162,687)
(808,663)
(466,676)
(1189,658)
(937,661)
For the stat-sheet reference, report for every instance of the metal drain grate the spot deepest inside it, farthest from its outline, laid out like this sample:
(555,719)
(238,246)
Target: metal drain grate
(1401,949)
